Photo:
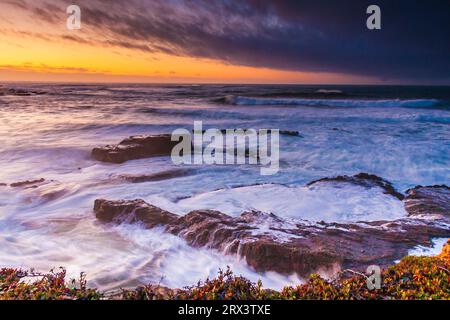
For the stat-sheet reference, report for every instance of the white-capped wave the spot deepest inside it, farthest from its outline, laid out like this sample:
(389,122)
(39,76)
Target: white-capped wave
(390,103)
(329,91)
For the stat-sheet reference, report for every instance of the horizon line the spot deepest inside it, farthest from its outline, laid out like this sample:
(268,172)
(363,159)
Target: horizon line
(227,83)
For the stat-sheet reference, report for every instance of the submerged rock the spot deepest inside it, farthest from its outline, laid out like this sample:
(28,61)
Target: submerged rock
(164,175)
(271,243)
(291,133)
(27,183)
(43,190)
(135,147)
(20,92)
(365,180)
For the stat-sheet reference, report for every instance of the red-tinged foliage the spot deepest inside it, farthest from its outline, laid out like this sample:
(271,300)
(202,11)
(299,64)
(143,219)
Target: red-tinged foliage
(27,285)
(413,278)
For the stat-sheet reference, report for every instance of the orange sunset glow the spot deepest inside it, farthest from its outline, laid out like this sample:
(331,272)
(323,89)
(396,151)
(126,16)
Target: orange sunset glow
(35,49)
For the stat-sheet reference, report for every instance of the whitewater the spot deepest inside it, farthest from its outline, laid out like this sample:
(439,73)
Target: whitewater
(401,134)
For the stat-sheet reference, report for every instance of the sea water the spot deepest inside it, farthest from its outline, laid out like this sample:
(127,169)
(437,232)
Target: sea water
(401,134)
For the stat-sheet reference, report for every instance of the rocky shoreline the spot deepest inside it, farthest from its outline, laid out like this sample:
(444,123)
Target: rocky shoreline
(266,241)
(297,246)
(287,246)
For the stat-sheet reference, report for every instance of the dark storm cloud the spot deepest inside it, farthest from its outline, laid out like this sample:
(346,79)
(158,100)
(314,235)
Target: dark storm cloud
(301,35)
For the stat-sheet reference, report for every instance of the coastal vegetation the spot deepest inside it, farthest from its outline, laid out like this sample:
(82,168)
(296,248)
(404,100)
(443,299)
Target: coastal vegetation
(413,278)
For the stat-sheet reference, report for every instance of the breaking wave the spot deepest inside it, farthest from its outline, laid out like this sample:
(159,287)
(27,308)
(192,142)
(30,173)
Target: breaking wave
(391,103)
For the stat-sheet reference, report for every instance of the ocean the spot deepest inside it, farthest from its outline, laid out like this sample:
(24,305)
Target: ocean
(399,133)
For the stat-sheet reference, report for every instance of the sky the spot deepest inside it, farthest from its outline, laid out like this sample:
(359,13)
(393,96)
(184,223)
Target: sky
(226,41)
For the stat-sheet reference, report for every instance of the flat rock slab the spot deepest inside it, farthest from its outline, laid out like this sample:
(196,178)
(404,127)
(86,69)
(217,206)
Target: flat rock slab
(135,147)
(147,146)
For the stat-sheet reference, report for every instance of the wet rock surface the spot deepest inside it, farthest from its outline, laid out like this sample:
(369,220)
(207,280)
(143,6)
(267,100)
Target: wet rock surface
(271,243)
(291,133)
(42,190)
(428,200)
(139,147)
(27,183)
(365,180)
(132,211)
(158,176)
(135,147)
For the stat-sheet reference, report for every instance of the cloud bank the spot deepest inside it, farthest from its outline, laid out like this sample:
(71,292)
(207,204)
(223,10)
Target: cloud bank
(298,35)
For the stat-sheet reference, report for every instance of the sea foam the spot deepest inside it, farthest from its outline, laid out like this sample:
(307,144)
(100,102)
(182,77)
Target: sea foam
(390,103)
